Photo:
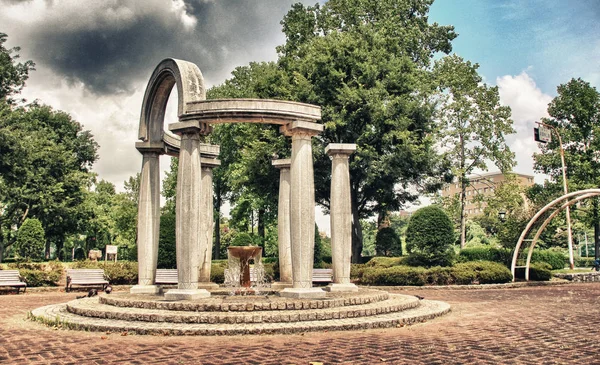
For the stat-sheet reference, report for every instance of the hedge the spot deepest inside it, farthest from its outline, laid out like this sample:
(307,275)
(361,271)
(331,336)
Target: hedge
(555,259)
(39,274)
(380,261)
(482,272)
(537,271)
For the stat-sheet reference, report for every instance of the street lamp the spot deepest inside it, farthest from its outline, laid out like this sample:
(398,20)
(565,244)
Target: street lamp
(543,136)
(502,216)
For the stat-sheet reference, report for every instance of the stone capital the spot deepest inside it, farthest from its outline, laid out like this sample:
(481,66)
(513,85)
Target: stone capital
(345,149)
(190,127)
(150,147)
(301,127)
(283,163)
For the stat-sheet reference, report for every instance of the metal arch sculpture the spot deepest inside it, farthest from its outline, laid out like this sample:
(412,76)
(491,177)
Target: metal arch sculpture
(580,195)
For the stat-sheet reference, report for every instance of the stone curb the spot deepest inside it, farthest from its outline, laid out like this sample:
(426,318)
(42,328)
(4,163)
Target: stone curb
(91,307)
(474,287)
(57,315)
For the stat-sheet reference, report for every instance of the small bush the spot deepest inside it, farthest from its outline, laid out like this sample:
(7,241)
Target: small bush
(429,237)
(387,242)
(555,259)
(119,273)
(439,276)
(500,255)
(539,271)
(487,272)
(217,273)
(397,275)
(584,262)
(357,270)
(39,274)
(384,261)
(31,240)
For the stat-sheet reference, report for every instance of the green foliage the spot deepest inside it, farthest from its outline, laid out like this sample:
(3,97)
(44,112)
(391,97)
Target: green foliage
(396,275)
(487,272)
(12,74)
(118,273)
(481,272)
(217,273)
(537,271)
(167,258)
(39,274)
(384,261)
(555,259)
(242,239)
(30,240)
(429,238)
(387,242)
(473,123)
(318,250)
(500,255)
(584,262)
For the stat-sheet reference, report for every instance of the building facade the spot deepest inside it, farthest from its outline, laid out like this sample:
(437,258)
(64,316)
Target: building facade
(482,184)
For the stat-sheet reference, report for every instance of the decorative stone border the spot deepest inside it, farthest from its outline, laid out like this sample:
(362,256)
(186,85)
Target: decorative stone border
(592,276)
(244,304)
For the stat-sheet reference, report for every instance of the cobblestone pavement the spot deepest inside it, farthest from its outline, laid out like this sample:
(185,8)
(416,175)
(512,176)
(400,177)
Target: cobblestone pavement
(531,325)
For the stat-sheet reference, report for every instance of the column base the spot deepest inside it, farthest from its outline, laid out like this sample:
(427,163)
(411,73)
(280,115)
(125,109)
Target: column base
(339,287)
(301,293)
(186,294)
(279,285)
(208,285)
(145,289)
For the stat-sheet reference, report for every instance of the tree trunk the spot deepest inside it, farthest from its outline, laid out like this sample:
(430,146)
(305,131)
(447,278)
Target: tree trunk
(217,245)
(261,223)
(357,235)
(463,218)
(596,215)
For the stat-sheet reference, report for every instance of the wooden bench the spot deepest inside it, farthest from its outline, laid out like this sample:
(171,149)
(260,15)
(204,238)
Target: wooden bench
(166,276)
(13,279)
(93,277)
(322,275)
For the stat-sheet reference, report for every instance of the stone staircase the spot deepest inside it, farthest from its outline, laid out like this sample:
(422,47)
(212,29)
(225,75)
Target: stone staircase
(235,315)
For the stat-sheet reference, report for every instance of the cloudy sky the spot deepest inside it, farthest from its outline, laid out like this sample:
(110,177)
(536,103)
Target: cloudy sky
(94,58)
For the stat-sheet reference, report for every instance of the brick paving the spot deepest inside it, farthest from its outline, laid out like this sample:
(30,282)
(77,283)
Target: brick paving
(532,325)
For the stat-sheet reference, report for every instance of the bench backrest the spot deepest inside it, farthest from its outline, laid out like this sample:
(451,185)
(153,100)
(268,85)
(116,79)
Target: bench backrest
(85,274)
(9,275)
(166,276)
(322,275)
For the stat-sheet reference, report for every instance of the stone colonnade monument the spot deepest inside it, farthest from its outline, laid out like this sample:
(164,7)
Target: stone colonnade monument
(194,221)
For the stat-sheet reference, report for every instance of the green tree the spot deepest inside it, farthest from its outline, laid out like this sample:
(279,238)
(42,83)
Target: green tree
(429,237)
(367,64)
(12,74)
(387,242)
(473,124)
(30,240)
(575,113)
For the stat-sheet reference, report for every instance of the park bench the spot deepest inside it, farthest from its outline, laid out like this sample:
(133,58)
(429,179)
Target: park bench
(322,275)
(88,277)
(166,276)
(12,278)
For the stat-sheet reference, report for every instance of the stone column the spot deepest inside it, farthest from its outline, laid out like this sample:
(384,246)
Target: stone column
(188,217)
(208,162)
(341,216)
(148,218)
(283,226)
(302,210)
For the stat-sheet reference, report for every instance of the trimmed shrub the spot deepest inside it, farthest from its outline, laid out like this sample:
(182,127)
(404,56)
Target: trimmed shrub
(539,271)
(31,241)
(387,242)
(555,259)
(119,273)
(217,273)
(39,274)
(397,275)
(584,262)
(487,272)
(430,234)
(439,276)
(357,270)
(500,255)
(167,258)
(384,261)
(417,259)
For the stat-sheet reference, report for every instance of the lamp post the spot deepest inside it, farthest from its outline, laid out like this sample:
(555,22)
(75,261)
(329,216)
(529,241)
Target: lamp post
(543,139)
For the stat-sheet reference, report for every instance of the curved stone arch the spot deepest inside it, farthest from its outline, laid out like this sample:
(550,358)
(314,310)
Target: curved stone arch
(578,195)
(190,89)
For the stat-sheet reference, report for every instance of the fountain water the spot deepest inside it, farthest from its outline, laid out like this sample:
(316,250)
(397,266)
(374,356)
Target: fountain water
(240,277)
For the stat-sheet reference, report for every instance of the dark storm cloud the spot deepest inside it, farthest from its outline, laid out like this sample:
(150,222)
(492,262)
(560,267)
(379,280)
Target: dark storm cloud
(109,46)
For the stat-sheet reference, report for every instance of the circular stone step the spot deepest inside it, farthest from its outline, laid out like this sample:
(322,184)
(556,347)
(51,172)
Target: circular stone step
(58,315)
(228,303)
(90,307)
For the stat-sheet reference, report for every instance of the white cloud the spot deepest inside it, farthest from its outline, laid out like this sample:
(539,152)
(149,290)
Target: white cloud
(528,104)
